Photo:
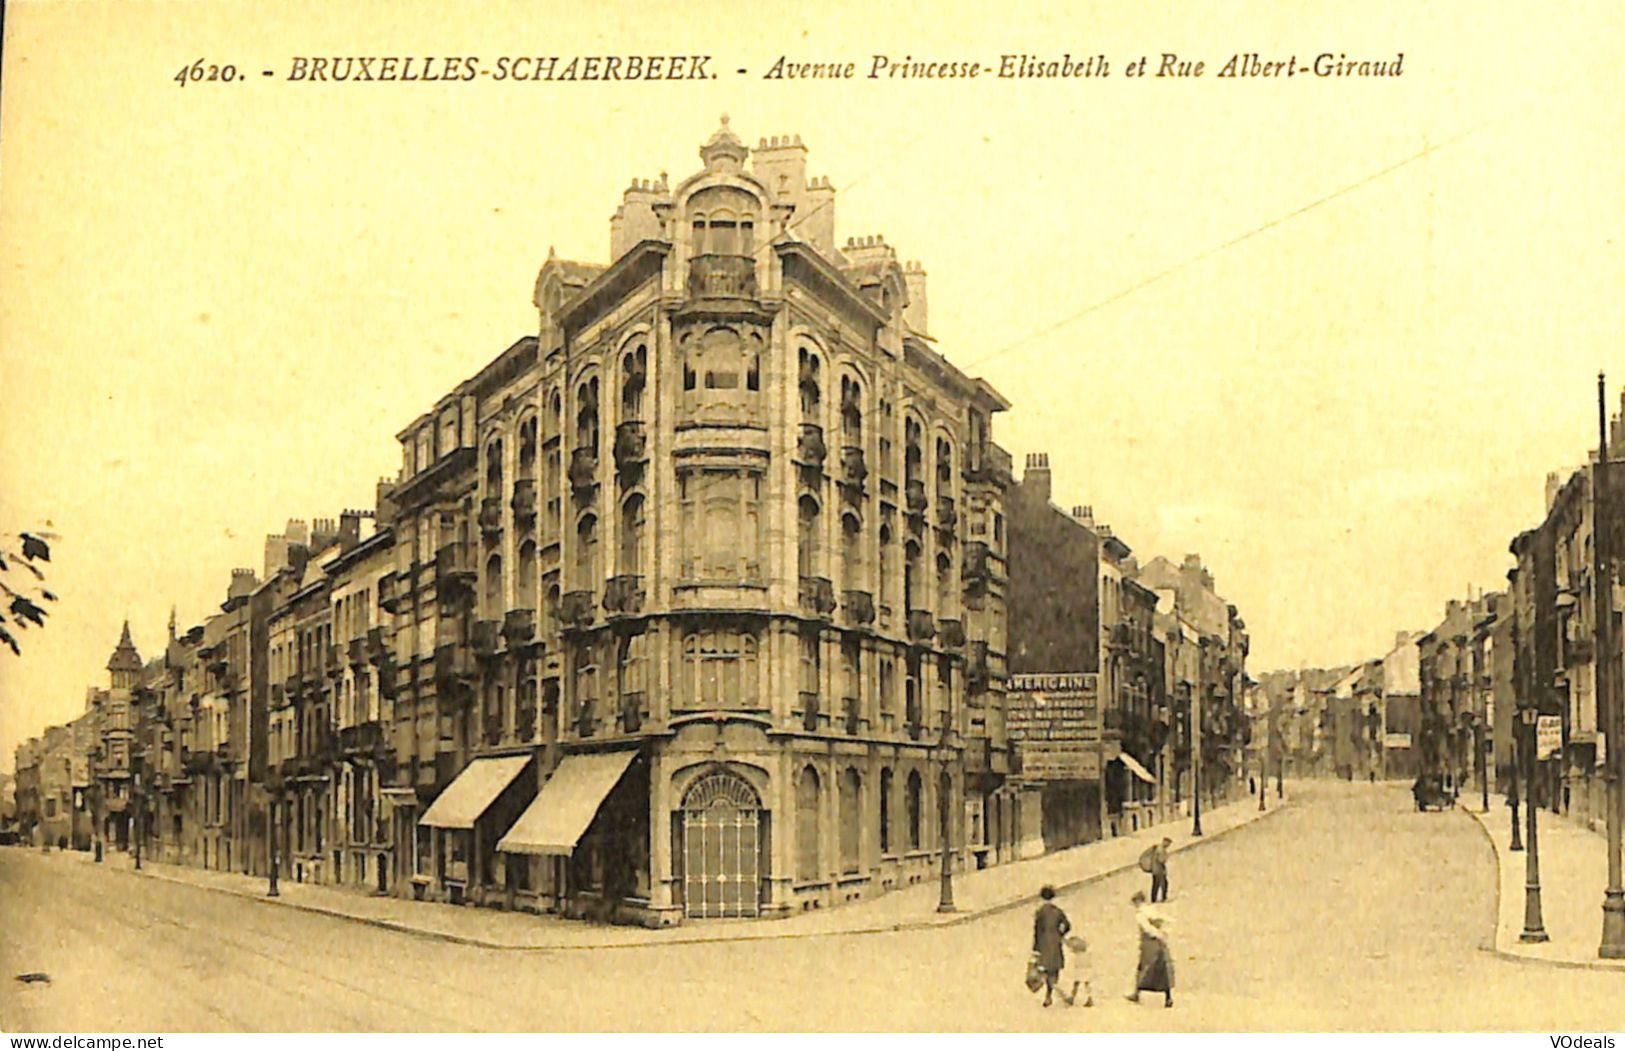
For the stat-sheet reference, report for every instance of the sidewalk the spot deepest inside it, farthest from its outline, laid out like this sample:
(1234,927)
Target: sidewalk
(976,894)
(1573,874)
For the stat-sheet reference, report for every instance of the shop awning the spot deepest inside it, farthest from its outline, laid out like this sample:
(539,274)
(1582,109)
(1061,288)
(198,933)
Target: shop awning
(473,792)
(555,822)
(1135,768)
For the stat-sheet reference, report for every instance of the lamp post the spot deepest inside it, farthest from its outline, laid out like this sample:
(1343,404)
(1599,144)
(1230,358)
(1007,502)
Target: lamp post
(1534,930)
(1481,742)
(945,902)
(1612,946)
(270,845)
(1196,764)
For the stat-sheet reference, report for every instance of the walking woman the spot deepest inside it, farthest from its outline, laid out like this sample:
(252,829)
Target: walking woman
(1050,927)
(1156,970)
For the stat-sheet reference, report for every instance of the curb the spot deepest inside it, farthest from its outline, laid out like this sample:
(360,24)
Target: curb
(950,920)
(1494,948)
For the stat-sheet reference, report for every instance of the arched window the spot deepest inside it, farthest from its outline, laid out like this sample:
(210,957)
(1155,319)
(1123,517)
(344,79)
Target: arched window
(587,553)
(587,415)
(634,376)
(631,553)
(851,553)
(493,467)
(911,565)
(851,411)
(945,584)
(885,810)
(719,671)
(527,448)
(911,803)
(555,414)
(493,586)
(945,467)
(912,455)
(851,822)
(807,542)
(807,825)
(526,583)
(809,385)
(883,567)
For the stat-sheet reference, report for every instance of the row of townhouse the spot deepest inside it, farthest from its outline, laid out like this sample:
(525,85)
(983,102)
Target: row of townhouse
(1450,702)
(693,604)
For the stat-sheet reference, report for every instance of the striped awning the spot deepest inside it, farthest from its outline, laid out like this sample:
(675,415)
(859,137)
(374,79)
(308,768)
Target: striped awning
(1135,768)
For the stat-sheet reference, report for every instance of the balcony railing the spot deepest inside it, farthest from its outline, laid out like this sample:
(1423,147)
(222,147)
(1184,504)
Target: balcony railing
(487,638)
(853,468)
(377,645)
(951,633)
(357,652)
(583,469)
(914,491)
(920,626)
(722,277)
(810,445)
(947,514)
(817,596)
(453,664)
(454,567)
(524,724)
(859,607)
(631,444)
(493,728)
(623,594)
(388,680)
(809,710)
(575,609)
(978,673)
(490,517)
(519,627)
(524,499)
(392,597)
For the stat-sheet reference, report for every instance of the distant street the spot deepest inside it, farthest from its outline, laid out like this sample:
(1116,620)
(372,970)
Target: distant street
(1350,911)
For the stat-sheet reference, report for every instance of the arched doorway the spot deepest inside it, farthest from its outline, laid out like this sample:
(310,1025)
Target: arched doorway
(723,839)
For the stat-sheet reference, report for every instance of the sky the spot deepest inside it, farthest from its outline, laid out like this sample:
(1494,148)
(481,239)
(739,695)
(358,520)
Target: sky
(1329,333)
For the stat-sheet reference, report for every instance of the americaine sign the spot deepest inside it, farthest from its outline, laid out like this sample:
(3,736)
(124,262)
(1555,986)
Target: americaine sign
(1054,722)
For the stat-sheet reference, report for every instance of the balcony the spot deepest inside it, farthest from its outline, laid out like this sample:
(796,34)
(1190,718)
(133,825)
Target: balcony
(623,595)
(952,634)
(334,664)
(631,444)
(916,500)
(575,609)
(721,277)
(1578,651)
(388,682)
(632,706)
(490,517)
(859,607)
(920,627)
(453,664)
(817,596)
(809,710)
(377,645)
(519,627)
(853,468)
(1122,636)
(487,638)
(810,445)
(493,729)
(947,514)
(524,500)
(851,715)
(293,686)
(362,739)
(524,725)
(454,568)
(356,652)
(583,469)
(392,596)
(914,722)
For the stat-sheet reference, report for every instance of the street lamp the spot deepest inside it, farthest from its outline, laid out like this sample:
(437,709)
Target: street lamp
(1534,930)
(1610,701)
(945,903)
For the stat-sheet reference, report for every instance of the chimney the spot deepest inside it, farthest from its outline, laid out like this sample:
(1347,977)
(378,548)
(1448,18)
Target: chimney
(385,503)
(242,583)
(1037,476)
(1085,514)
(915,314)
(1401,638)
(1552,487)
(350,528)
(323,532)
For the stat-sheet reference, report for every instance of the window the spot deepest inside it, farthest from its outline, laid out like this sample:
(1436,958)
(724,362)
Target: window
(911,562)
(912,803)
(527,448)
(587,685)
(945,583)
(631,535)
(587,415)
(807,803)
(493,467)
(850,793)
(721,523)
(807,537)
(883,566)
(809,385)
(493,586)
(719,670)
(888,687)
(851,553)
(851,411)
(525,585)
(945,467)
(851,667)
(633,665)
(587,553)
(634,373)
(810,664)
(885,810)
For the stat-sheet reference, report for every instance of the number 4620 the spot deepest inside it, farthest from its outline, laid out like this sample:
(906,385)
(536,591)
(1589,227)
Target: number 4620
(199,71)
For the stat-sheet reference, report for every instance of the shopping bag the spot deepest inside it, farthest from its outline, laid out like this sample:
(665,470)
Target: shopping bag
(1035,974)
(1146,864)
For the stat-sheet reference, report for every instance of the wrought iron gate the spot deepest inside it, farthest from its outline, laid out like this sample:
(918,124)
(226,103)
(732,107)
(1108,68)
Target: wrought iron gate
(722,830)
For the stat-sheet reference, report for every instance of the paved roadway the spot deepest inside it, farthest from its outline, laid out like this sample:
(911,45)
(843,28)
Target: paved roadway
(1349,911)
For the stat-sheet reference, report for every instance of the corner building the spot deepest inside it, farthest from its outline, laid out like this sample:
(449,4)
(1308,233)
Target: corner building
(718,623)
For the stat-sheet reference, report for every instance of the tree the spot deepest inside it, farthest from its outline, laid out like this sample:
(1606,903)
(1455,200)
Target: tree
(23,603)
